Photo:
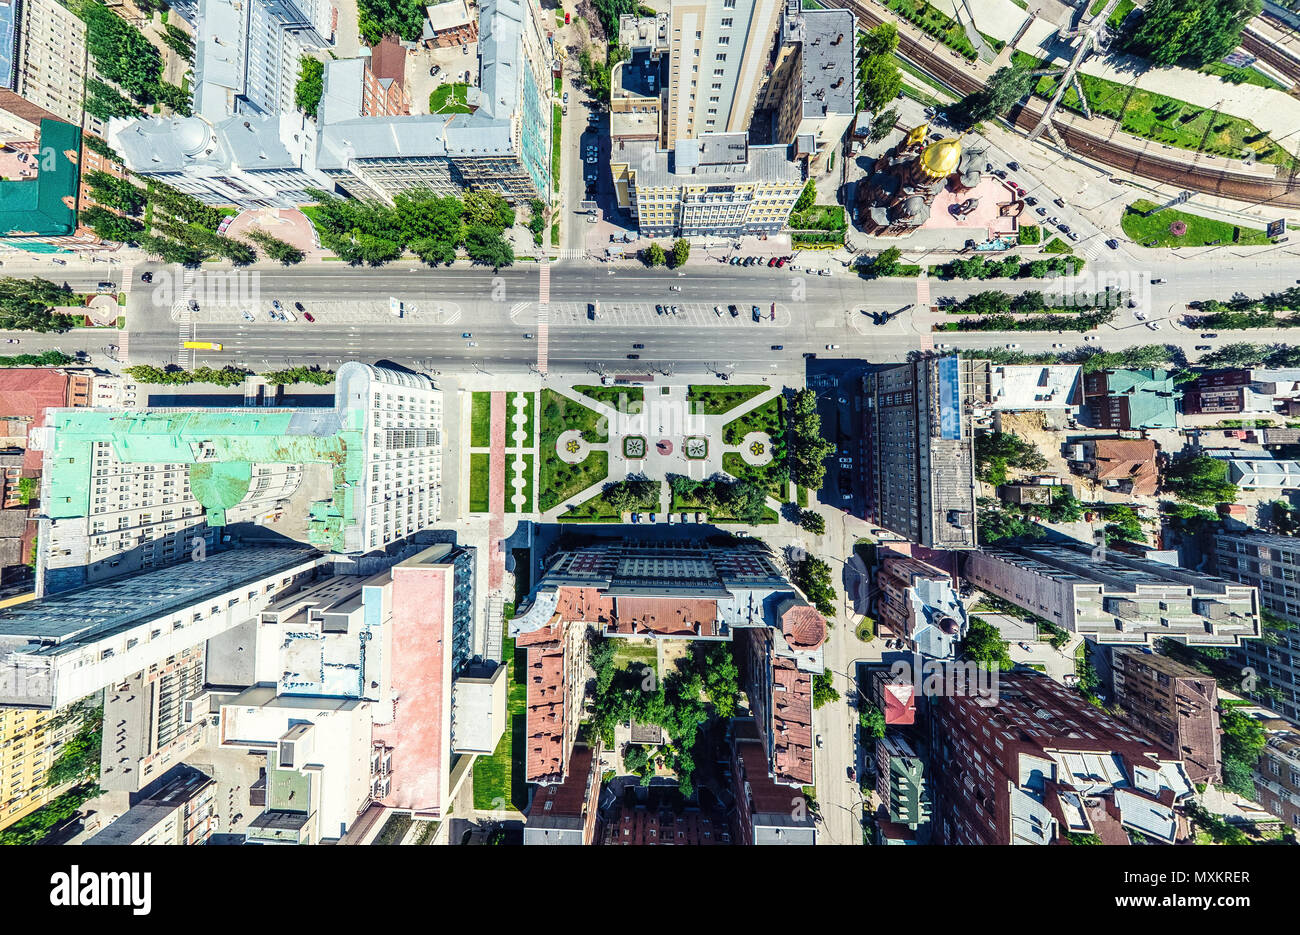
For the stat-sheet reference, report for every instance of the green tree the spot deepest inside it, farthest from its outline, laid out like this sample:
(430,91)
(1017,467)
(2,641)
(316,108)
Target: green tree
(654,255)
(1188,32)
(812,521)
(110,226)
(1201,479)
(681,251)
(175,97)
(1243,741)
(487,247)
(106,102)
(28,305)
(96,145)
(311,85)
(871,720)
(879,81)
(1008,86)
(886,262)
(115,192)
(985,645)
(178,41)
(721,678)
(813,578)
(78,761)
(808,448)
(277,249)
(808,197)
(824,691)
(120,52)
(379,18)
(882,124)
(488,209)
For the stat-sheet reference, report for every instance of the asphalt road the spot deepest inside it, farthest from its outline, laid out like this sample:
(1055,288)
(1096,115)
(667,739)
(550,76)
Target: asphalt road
(498,310)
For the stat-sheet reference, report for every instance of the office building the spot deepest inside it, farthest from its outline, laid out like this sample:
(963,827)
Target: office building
(1115,598)
(248,145)
(1039,764)
(181,811)
(673,590)
(1270,563)
(921,472)
(425,735)
(1173,705)
(56,650)
(919,604)
(717,185)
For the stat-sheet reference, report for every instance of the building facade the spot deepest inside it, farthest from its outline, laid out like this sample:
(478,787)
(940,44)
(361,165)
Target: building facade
(1270,563)
(1039,764)
(181,812)
(47,60)
(918,603)
(1173,705)
(31,739)
(1277,777)
(921,472)
(1115,598)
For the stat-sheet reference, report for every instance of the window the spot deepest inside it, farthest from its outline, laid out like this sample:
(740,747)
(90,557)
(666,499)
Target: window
(726,22)
(724,40)
(721,57)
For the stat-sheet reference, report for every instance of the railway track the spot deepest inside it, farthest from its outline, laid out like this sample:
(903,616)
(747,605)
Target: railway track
(1176,169)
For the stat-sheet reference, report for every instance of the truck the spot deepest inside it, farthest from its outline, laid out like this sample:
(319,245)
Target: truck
(202,346)
(593,310)
(395,307)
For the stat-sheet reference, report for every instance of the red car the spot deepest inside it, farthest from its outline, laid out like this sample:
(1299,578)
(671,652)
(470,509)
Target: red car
(307,315)
(566,18)
(772,262)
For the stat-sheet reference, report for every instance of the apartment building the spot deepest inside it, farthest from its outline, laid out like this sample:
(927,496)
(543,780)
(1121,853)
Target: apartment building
(42,66)
(1277,777)
(1039,764)
(152,720)
(673,591)
(901,783)
(1173,705)
(127,490)
(1115,598)
(921,464)
(766,811)
(181,811)
(810,97)
(31,739)
(321,765)
(56,650)
(566,813)
(1270,563)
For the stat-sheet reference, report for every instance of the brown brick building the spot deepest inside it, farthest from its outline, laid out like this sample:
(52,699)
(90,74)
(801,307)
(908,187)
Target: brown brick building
(1173,705)
(1277,777)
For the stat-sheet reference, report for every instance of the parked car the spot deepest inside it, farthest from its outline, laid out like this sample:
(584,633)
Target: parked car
(275,304)
(1059,202)
(1153,325)
(146,277)
(819,740)
(832,347)
(1031,200)
(1013,166)
(298,306)
(735,312)
(528,336)
(1113,243)
(1041,212)
(249,316)
(633,356)
(1203,347)
(307,315)
(1210,334)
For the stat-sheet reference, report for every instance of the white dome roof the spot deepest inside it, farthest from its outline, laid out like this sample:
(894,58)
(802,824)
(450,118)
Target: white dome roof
(192,135)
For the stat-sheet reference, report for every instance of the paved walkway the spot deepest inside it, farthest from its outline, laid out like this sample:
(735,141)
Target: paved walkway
(496,492)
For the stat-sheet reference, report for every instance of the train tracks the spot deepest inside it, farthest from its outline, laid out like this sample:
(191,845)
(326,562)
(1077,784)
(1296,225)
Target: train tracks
(1176,169)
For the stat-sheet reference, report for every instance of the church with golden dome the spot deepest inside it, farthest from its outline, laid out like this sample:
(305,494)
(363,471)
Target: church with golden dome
(896,197)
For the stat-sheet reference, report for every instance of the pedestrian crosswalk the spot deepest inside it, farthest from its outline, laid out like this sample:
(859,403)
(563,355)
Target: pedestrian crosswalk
(185,332)
(543,315)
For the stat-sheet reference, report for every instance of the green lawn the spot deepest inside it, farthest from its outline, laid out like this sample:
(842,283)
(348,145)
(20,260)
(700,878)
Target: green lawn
(1200,230)
(765,418)
(529,420)
(596,510)
(528,484)
(557,121)
(610,395)
(1164,119)
(1057,245)
(1234,75)
(943,27)
(450,99)
(480,420)
(559,480)
(820,218)
(479,475)
(715,400)
(633,652)
(735,465)
(691,505)
(499,778)
(928,80)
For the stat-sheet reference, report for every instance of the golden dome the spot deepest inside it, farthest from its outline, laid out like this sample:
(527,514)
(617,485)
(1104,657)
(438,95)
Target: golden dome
(941,158)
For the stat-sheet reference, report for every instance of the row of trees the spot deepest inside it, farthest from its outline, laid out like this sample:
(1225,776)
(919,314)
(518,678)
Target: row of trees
(432,227)
(124,57)
(813,577)
(879,78)
(1191,33)
(806,447)
(1245,354)
(43,359)
(994,302)
(224,376)
(741,500)
(1010,267)
(675,256)
(1085,321)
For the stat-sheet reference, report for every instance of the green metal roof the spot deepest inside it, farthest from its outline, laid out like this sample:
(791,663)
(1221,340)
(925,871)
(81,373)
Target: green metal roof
(46,205)
(221,447)
(1151,396)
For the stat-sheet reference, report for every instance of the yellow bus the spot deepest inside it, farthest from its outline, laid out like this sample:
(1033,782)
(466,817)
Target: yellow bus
(202,346)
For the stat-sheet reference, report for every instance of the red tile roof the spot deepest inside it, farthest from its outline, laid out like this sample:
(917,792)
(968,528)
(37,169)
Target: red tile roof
(1128,459)
(803,626)
(25,392)
(666,615)
(791,722)
(900,703)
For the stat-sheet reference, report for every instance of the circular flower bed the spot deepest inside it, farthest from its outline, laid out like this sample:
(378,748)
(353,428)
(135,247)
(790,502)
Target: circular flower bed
(572,446)
(1178,228)
(756,449)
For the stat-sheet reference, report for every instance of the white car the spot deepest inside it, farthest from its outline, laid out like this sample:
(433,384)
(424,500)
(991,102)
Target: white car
(1153,325)
(1013,347)
(819,740)
(286,315)
(275,304)
(832,347)
(249,316)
